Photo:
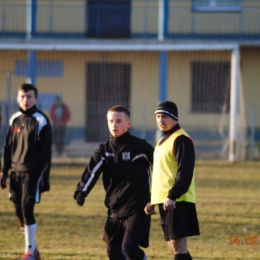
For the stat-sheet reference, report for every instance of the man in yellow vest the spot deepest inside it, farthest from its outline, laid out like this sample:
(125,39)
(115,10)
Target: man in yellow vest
(173,185)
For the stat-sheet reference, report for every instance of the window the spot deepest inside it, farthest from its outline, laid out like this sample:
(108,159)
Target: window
(217,5)
(109,18)
(210,87)
(44,68)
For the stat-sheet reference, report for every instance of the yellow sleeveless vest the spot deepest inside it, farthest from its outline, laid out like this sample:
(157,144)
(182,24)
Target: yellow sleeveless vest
(165,170)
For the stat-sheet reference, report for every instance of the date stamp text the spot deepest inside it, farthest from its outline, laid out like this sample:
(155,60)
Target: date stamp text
(248,240)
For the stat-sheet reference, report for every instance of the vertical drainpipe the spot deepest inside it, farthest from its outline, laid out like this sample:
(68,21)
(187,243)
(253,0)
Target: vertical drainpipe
(163,55)
(235,57)
(161,20)
(8,107)
(30,25)
(163,67)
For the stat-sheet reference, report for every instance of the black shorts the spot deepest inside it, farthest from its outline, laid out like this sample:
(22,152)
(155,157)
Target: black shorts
(25,187)
(179,222)
(136,226)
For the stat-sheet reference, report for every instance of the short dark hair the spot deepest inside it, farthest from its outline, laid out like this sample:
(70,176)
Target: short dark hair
(27,87)
(119,108)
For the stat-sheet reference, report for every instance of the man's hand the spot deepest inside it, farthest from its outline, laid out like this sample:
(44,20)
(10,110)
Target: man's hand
(80,198)
(45,185)
(169,204)
(2,181)
(149,209)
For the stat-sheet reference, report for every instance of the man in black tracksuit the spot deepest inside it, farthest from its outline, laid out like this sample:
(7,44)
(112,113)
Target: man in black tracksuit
(125,161)
(27,152)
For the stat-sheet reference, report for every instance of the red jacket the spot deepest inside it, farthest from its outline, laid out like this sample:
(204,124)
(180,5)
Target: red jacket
(64,118)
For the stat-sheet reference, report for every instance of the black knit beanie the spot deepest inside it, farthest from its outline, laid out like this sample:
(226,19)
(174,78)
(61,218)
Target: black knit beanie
(168,108)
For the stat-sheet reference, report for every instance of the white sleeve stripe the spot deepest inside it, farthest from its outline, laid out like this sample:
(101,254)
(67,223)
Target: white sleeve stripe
(17,114)
(93,174)
(142,155)
(41,120)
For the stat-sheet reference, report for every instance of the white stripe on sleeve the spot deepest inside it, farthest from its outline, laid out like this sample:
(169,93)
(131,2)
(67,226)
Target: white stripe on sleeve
(140,156)
(93,174)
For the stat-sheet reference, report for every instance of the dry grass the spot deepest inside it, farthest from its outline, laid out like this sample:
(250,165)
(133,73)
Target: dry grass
(227,204)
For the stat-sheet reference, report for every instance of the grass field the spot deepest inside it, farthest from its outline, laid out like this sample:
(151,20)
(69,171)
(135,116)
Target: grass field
(227,202)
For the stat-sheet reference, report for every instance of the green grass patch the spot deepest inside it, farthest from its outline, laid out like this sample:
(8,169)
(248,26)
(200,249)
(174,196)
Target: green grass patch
(227,203)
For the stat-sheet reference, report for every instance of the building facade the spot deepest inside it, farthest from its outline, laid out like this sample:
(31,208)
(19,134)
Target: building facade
(99,53)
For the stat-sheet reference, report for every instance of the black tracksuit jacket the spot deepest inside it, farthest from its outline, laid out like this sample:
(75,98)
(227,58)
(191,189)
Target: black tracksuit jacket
(125,163)
(28,144)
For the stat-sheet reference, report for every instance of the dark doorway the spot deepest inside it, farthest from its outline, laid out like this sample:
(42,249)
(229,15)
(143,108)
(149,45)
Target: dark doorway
(108,84)
(108,18)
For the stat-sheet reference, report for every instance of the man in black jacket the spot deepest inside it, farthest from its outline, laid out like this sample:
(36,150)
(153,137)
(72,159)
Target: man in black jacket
(125,162)
(27,152)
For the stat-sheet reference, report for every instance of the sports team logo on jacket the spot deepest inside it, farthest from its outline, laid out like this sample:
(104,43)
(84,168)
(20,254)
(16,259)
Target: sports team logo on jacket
(126,156)
(16,130)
